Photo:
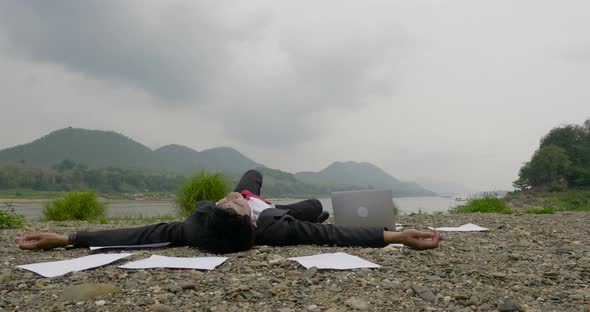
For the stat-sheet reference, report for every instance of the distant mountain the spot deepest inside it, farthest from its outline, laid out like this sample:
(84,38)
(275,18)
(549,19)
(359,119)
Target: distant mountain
(225,159)
(90,147)
(177,158)
(220,159)
(355,175)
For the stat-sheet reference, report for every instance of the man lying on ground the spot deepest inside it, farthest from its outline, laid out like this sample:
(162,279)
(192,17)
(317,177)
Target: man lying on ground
(236,223)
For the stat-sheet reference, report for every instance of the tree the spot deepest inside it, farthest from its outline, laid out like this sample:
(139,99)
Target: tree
(563,155)
(523,177)
(550,164)
(569,137)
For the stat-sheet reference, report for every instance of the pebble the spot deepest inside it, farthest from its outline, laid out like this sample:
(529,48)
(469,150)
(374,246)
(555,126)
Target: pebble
(425,293)
(264,249)
(509,306)
(334,288)
(275,259)
(161,308)
(164,296)
(357,303)
(499,275)
(484,307)
(187,285)
(175,288)
(88,291)
(310,273)
(4,277)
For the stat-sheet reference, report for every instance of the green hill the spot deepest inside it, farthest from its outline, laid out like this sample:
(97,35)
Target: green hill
(354,175)
(93,148)
(177,158)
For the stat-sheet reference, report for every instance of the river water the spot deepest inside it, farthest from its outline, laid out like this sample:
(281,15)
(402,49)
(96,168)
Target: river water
(33,210)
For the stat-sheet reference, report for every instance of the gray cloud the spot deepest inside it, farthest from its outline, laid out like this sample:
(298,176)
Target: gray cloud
(108,40)
(283,63)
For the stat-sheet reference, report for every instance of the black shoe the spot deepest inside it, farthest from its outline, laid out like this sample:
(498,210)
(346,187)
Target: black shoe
(324,215)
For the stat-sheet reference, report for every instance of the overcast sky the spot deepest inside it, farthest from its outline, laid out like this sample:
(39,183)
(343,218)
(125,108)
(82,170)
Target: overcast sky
(458,91)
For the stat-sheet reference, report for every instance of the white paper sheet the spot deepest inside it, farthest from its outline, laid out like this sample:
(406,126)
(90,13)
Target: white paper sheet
(335,261)
(155,261)
(156,245)
(57,268)
(469,227)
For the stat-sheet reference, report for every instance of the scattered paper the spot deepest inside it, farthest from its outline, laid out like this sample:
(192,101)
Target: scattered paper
(57,268)
(396,245)
(155,261)
(156,245)
(469,227)
(335,261)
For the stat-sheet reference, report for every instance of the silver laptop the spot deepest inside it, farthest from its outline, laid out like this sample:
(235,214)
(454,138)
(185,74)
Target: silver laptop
(367,208)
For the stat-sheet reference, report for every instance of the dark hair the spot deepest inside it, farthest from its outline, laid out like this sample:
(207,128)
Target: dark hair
(225,231)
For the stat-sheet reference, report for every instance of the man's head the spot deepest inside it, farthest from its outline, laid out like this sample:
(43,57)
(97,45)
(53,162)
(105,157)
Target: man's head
(236,202)
(229,227)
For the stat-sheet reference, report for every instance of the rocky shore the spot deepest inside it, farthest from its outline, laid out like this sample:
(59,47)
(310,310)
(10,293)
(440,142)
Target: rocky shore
(525,263)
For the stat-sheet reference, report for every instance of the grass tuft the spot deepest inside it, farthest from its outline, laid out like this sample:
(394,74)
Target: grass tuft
(75,206)
(201,186)
(10,219)
(486,204)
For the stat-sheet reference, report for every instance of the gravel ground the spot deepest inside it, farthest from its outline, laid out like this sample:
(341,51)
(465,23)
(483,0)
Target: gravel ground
(525,263)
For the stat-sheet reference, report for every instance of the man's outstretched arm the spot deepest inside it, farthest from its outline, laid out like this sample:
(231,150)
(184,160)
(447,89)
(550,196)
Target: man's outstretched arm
(177,233)
(155,233)
(289,231)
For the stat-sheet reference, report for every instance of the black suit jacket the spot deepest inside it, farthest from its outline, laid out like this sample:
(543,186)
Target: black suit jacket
(275,227)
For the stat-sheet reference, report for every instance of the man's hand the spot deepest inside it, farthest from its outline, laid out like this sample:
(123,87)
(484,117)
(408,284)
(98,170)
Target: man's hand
(413,239)
(420,240)
(41,241)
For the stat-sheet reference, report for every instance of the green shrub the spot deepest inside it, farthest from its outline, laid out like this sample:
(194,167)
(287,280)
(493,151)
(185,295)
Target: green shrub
(395,210)
(546,210)
(75,206)
(10,219)
(201,186)
(573,200)
(487,204)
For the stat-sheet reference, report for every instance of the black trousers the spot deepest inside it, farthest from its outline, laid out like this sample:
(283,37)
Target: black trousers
(306,210)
